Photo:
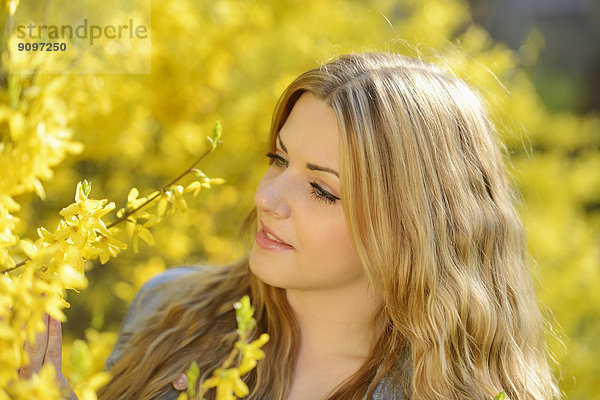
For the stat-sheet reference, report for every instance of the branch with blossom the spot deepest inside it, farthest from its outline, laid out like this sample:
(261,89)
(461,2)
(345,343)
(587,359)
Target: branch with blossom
(226,379)
(55,262)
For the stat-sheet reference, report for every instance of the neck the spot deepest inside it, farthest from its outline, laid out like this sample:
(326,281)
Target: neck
(335,323)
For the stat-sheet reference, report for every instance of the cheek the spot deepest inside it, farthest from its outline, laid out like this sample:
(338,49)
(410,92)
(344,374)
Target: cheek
(330,242)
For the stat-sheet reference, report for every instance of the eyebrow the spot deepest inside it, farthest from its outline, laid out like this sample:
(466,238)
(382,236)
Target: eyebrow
(311,166)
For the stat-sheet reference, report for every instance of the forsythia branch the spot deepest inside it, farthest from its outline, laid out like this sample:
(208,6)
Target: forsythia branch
(227,379)
(170,194)
(55,262)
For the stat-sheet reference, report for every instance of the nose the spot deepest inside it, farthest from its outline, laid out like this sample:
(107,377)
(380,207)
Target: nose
(272,196)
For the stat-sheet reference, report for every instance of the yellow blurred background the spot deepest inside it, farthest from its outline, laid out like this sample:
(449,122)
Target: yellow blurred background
(229,61)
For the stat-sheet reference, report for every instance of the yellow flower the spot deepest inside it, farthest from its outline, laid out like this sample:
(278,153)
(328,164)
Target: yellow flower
(194,187)
(41,386)
(132,200)
(84,207)
(205,182)
(251,353)
(175,196)
(109,246)
(137,231)
(74,258)
(227,382)
(71,278)
(82,219)
(161,207)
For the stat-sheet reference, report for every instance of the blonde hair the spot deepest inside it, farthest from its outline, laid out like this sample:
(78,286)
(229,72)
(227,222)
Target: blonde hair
(433,219)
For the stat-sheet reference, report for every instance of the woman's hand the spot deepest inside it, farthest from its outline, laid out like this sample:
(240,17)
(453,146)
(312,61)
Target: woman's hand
(47,349)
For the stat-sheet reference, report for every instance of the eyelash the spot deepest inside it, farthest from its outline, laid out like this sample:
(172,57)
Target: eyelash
(317,193)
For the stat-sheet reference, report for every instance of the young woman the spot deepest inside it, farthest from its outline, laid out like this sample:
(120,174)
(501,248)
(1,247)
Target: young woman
(388,260)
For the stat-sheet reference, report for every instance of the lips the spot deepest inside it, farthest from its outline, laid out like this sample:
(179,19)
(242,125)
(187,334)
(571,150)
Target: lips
(268,240)
(270,232)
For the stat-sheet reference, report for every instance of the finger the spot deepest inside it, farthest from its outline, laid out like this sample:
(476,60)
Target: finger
(36,352)
(54,349)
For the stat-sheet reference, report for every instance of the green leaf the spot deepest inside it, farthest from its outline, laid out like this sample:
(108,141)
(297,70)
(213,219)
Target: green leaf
(215,140)
(217,131)
(192,376)
(87,187)
(500,396)
(81,357)
(244,314)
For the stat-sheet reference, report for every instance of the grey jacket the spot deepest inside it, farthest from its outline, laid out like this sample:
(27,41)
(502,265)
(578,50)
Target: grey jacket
(144,304)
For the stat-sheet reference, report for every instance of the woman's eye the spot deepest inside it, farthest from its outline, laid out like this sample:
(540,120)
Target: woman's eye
(316,192)
(320,194)
(279,161)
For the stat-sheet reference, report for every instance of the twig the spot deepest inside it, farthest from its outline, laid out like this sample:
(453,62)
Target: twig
(133,211)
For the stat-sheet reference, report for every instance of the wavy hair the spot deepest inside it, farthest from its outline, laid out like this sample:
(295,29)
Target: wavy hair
(432,216)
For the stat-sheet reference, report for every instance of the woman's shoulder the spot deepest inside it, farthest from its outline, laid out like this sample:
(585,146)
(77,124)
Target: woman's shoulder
(148,299)
(169,276)
(387,390)
(393,386)
(153,292)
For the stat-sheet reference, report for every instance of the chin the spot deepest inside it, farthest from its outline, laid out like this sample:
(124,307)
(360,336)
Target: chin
(259,269)
(265,271)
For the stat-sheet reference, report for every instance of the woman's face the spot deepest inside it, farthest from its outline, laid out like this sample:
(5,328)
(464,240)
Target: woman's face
(298,201)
